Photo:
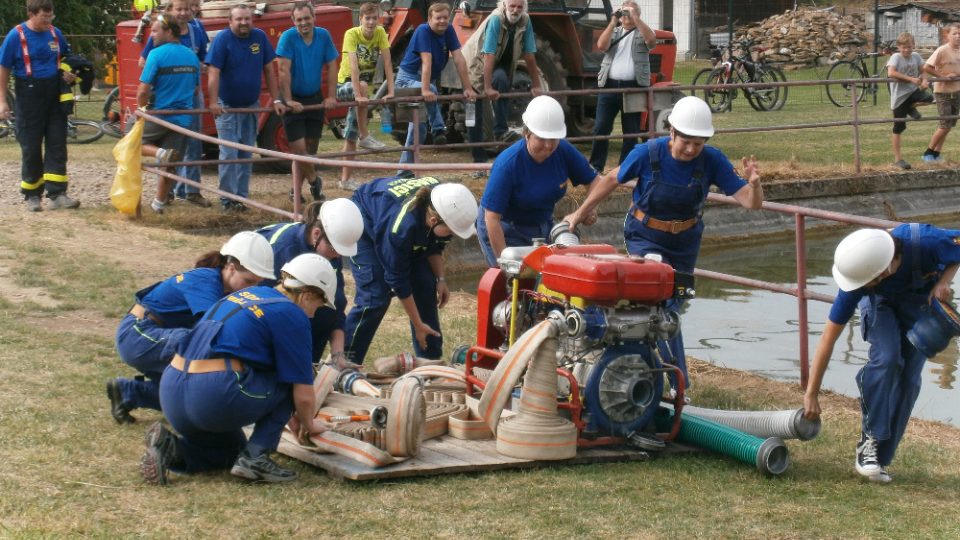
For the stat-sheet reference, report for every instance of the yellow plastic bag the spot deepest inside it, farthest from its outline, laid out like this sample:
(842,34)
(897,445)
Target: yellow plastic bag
(128,182)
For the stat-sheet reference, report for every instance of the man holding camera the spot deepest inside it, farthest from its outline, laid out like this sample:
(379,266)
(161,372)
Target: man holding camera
(626,43)
(492,54)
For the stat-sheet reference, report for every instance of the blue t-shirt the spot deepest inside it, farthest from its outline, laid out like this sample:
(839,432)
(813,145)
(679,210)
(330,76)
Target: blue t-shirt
(426,40)
(939,248)
(179,301)
(269,337)
(174,73)
(289,240)
(195,39)
(493,31)
(306,61)
(241,63)
(44,52)
(396,227)
(717,170)
(524,192)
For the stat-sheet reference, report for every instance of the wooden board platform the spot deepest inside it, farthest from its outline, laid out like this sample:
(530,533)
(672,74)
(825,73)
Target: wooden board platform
(447,455)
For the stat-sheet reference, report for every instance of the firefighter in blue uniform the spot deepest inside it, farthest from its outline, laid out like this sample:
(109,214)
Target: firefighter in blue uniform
(164,312)
(892,277)
(248,361)
(528,179)
(407,222)
(330,229)
(673,177)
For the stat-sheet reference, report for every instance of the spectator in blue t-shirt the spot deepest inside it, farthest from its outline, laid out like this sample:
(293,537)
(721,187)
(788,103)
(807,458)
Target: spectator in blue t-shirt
(194,36)
(303,51)
(238,60)
(171,80)
(528,179)
(426,56)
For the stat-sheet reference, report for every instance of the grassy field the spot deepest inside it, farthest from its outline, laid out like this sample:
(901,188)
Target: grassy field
(69,470)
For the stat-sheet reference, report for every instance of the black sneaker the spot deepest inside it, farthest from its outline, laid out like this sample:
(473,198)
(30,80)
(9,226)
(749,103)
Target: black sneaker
(119,411)
(316,189)
(439,138)
(261,468)
(867,463)
(233,207)
(161,454)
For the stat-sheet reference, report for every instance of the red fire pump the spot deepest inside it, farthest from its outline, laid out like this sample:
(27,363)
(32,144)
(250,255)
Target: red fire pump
(612,359)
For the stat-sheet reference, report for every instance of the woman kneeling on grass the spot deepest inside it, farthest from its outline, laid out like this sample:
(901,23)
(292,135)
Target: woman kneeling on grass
(248,361)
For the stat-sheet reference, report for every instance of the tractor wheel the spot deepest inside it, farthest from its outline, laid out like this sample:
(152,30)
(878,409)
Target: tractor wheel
(273,137)
(579,122)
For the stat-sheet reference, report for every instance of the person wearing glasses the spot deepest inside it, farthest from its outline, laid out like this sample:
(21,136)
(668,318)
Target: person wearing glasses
(330,229)
(31,51)
(170,80)
(407,222)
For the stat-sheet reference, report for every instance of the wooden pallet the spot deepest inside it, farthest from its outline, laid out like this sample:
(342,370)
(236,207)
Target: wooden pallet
(447,455)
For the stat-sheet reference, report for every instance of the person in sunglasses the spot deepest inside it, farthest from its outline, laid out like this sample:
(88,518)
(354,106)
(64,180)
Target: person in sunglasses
(407,222)
(330,229)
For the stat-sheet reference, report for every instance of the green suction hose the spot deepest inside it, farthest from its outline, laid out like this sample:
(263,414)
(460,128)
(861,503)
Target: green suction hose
(770,455)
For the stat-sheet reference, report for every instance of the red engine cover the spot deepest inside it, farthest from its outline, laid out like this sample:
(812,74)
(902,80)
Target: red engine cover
(608,278)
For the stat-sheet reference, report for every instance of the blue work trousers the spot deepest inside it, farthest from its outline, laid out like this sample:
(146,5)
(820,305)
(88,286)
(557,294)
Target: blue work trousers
(208,410)
(513,235)
(193,152)
(889,382)
(437,125)
(608,106)
(241,128)
(148,348)
(501,114)
(373,299)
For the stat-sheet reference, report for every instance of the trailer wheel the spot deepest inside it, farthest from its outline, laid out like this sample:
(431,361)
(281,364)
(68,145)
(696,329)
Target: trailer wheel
(273,137)
(580,120)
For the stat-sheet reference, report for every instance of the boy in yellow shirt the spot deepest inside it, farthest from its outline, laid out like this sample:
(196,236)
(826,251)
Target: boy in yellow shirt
(362,46)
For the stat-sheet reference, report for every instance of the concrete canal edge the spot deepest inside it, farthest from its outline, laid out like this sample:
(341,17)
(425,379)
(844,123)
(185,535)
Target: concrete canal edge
(895,196)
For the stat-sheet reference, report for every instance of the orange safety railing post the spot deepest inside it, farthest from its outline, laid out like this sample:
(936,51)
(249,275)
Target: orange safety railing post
(856,129)
(801,242)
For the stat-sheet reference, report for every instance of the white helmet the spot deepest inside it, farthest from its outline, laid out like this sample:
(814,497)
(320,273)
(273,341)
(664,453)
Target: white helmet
(544,117)
(311,270)
(457,208)
(862,256)
(691,116)
(252,251)
(343,225)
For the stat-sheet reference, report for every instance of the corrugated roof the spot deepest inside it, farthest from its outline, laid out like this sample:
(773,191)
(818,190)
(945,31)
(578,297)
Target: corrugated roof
(946,8)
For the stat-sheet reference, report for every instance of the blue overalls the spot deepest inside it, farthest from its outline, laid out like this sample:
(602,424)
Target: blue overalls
(265,331)
(669,201)
(289,240)
(514,234)
(890,381)
(392,260)
(171,307)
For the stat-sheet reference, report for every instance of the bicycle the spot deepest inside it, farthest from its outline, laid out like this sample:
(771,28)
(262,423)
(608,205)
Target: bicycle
(731,68)
(111,114)
(841,93)
(78,131)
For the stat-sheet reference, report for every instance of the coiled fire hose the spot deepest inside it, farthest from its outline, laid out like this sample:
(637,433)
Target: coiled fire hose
(401,364)
(535,432)
(784,424)
(770,456)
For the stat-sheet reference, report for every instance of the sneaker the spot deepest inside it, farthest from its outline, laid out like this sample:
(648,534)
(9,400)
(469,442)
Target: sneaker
(867,463)
(158,206)
(161,453)
(370,143)
(914,113)
(903,165)
(167,155)
(440,138)
(261,468)
(34,204)
(233,207)
(480,174)
(198,199)
(350,184)
(883,478)
(929,158)
(316,189)
(119,411)
(63,201)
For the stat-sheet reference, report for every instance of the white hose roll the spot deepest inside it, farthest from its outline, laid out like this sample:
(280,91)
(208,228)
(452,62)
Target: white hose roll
(405,420)
(788,424)
(323,384)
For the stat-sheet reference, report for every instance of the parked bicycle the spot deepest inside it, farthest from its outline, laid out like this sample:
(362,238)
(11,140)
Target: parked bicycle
(736,65)
(78,131)
(110,124)
(840,93)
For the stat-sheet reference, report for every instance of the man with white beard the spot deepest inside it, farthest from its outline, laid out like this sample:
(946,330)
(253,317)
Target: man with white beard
(492,53)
